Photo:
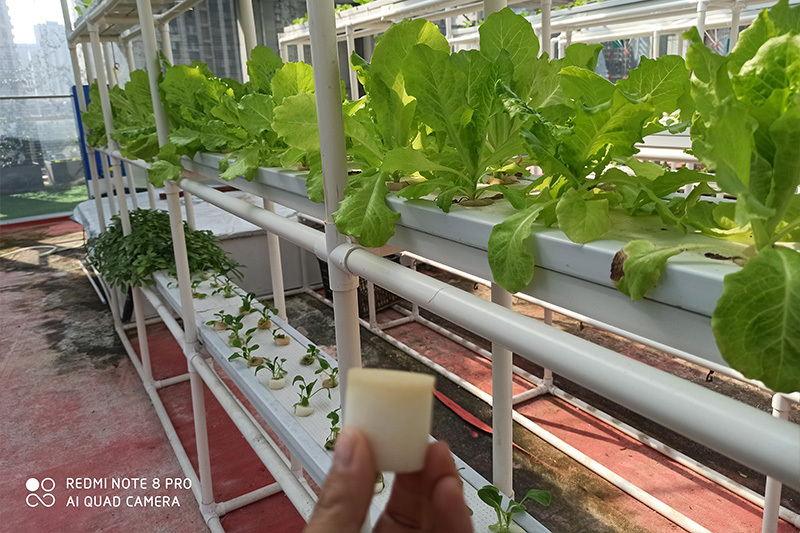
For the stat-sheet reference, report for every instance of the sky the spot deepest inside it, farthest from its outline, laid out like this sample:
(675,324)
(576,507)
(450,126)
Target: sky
(25,13)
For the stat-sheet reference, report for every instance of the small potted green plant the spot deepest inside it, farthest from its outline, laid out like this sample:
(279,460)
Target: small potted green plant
(247,304)
(196,293)
(277,371)
(265,322)
(227,290)
(326,369)
(247,351)
(333,416)
(490,495)
(306,391)
(311,355)
(280,337)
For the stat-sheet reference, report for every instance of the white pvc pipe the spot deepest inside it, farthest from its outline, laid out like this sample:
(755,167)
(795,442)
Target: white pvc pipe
(351,47)
(130,55)
(111,71)
(545,32)
(152,66)
(233,504)
(248,24)
(702,9)
(106,183)
(166,42)
(108,121)
(275,266)
(502,393)
(88,59)
(654,44)
(325,58)
(301,53)
(736,12)
(772,491)
(723,424)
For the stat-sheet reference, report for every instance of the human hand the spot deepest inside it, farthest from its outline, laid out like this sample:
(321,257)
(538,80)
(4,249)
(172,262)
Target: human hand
(427,501)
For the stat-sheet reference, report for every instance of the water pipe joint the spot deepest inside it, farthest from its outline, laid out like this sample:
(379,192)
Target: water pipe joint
(341,279)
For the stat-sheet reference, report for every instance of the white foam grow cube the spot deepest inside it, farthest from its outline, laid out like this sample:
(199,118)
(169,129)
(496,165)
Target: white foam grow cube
(393,408)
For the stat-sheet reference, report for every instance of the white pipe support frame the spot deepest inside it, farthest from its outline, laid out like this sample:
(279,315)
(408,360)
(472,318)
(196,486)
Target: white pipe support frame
(325,58)
(655,41)
(723,424)
(247,21)
(493,6)
(130,56)
(502,406)
(88,58)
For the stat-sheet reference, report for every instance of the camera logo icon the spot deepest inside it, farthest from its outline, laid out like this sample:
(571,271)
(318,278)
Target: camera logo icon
(45,499)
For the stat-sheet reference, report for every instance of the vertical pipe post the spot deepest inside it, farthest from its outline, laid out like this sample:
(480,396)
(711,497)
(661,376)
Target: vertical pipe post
(448,30)
(568,38)
(546,46)
(248,24)
(702,9)
(301,52)
(655,41)
(153,66)
(166,42)
(736,12)
(76,72)
(276,267)
(547,378)
(502,366)
(562,45)
(772,492)
(325,57)
(110,70)
(284,51)
(130,55)
(88,59)
(351,47)
(108,121)
(502,406)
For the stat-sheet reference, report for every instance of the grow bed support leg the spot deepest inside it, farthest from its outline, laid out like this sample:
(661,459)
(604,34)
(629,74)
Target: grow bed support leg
(772,491)
(502,406)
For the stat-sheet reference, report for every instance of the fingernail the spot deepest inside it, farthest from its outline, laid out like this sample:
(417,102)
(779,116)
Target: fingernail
(343,452)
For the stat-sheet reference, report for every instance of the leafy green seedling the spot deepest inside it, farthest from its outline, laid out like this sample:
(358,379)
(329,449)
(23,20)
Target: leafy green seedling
(235,325)
(216,280)
(306,391)
(333,416)
(220,323)
(265,322)
(490,495)
(195,293)
(311,355)
(227,290)
(332,373)
(281,338)
(247,304)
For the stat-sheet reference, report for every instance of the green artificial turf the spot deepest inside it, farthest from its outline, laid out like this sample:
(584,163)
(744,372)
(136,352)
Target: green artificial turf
(30,204)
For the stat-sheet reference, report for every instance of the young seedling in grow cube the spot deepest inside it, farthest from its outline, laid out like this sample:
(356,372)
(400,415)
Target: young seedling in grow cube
(311,355)
(235,325)
(220,323)
(216,280)
(275,368)
(265,322)
(306,392)
(281,338)
(227,290)
(325,368)
(247,304)
(330,442)
(490,495)
(195,293)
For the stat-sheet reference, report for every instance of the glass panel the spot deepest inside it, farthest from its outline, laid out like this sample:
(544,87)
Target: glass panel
(41,171)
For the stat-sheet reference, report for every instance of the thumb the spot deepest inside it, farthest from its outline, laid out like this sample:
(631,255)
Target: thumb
(344,500)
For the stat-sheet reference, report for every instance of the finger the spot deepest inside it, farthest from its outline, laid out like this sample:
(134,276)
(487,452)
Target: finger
(449,513)
(409,504)
(347,491)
